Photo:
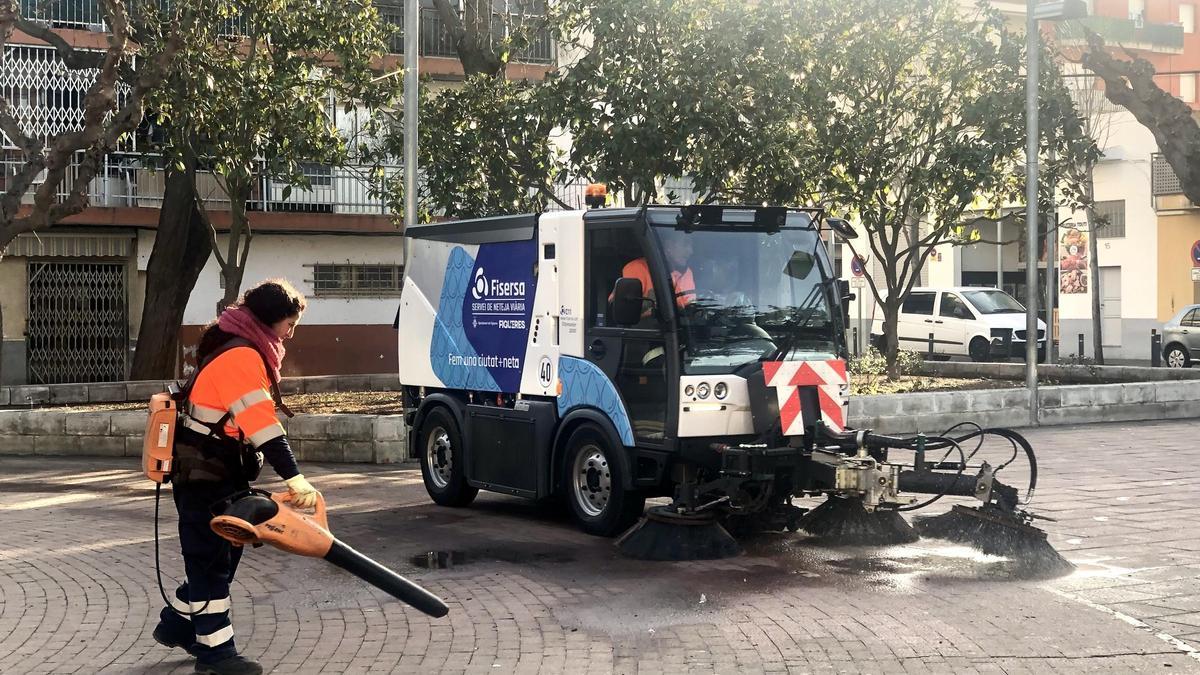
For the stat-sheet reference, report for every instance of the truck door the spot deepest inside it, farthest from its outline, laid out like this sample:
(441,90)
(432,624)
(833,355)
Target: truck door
(633,357)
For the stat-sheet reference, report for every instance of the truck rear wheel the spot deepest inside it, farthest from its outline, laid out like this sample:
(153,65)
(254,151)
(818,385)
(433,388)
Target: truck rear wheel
(594,485)
(439,442)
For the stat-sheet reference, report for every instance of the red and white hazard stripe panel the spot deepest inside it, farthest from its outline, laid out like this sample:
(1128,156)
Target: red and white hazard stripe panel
(831,381)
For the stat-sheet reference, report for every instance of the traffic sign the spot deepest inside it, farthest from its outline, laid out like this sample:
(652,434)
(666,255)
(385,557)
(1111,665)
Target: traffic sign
(857,263)
(1196,254)
(858,282)
(1196,274)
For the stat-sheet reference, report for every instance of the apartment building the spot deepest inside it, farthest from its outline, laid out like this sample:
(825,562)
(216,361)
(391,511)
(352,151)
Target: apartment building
(72,295)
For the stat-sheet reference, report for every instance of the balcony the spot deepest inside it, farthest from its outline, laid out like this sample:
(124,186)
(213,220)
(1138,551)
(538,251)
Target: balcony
(1165,187)
(434,38)
(1153,37)
(135,180)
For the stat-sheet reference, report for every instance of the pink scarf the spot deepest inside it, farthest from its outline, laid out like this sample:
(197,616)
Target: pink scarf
(240,321)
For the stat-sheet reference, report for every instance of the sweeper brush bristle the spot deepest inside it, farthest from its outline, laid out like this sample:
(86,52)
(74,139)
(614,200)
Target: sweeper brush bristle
(997,534)
(845,522)
(664,535)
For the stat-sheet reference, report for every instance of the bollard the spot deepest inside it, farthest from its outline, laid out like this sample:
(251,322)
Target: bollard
(1155,348)
(931,346)
(857,347)
(1080,354)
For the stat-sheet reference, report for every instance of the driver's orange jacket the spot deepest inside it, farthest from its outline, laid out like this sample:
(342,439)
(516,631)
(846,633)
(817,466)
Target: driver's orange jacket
(685,285)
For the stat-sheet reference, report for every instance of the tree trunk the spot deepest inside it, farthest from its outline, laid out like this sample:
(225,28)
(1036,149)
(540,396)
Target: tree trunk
(1094,273)
(239,240)
(181,249)
(891,336)
(1,338)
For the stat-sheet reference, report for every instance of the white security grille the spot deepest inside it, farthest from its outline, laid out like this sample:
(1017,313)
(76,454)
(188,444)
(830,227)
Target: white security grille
(77,326)
(47,97)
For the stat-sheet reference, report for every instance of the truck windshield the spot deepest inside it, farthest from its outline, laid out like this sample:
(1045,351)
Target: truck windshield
(744,295)
(994,302)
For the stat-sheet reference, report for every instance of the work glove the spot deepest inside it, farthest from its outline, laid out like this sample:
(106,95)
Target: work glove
(304,495)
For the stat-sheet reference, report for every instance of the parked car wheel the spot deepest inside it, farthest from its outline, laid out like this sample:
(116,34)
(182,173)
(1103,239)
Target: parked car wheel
(440,443)
(979,349)
(1176,356)
(594,485)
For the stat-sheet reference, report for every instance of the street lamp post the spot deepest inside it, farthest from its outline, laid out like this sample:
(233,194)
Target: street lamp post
(1034,12)
(412,42)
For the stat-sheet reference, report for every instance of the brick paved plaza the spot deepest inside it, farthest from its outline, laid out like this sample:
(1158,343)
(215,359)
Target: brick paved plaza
(529,593)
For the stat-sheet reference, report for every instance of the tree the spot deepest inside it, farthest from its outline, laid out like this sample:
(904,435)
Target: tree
(258,106)
(112,108)
(1130,84)
(923,120)
(485,148)
(1095,111)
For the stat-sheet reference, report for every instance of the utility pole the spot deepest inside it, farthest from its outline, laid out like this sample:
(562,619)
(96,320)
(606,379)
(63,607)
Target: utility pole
(1032,47)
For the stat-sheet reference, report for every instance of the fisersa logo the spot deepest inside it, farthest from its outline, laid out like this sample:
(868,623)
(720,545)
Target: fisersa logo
(482,287)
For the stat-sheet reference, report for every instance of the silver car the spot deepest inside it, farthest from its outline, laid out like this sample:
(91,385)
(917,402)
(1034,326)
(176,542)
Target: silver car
(1181,338)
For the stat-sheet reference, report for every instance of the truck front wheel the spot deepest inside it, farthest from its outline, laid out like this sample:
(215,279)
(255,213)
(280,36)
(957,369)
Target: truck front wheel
(440,443)
(595,485)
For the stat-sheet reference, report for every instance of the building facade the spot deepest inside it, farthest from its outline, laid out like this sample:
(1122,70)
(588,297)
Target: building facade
(72,294)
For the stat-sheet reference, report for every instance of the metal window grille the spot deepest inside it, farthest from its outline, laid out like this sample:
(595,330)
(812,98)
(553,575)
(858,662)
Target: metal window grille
(78,329)
(1163,180)
(334,280)
(1111,215)
(46,97)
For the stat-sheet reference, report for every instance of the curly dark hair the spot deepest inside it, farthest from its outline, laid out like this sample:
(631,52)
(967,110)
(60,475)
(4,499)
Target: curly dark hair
(270,302)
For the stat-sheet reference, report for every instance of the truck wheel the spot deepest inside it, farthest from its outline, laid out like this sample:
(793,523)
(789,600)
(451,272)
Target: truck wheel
(1177,357)
(440,444)
(594,485)
(980,350)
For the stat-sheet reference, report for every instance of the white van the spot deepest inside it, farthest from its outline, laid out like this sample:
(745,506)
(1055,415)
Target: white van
(961,322)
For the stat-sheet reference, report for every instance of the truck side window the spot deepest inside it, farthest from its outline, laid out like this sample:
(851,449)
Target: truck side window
(609,251)
(953,307)
(919,302)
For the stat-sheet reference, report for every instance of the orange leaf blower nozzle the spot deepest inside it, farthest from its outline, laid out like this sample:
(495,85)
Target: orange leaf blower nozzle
(256,516)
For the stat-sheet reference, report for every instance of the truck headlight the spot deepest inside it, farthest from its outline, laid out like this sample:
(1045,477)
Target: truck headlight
(721,390)
(703,390)
(689,390)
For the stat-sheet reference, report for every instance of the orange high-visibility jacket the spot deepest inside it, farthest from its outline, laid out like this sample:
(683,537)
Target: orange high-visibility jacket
(684,285)
(235,382)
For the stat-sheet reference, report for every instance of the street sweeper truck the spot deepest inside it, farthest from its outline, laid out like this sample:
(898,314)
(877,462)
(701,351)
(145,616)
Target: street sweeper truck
(693,352)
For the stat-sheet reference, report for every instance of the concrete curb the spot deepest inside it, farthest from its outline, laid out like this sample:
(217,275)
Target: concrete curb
(383,439)
(142,390)
(1066,374)
(934,412)
(373,439)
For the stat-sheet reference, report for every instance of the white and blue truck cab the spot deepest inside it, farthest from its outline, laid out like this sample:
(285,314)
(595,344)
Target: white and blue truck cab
(611,355)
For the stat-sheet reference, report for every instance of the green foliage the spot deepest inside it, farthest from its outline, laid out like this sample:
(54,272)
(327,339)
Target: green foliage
(869,370)
(253,90)
(484,149)
(268,94)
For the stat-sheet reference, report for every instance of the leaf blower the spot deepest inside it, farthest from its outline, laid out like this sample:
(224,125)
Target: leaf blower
(259,517)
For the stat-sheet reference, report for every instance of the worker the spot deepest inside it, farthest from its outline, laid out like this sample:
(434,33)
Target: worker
(227,427)
(678,250)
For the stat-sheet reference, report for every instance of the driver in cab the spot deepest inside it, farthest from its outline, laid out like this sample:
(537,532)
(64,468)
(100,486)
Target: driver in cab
(678,251)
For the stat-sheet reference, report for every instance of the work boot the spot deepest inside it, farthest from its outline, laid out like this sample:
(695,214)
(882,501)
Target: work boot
(232,665)
(164,636)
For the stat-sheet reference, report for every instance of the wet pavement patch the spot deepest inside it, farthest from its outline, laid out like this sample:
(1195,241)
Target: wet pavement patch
(438,560)
(443,560)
